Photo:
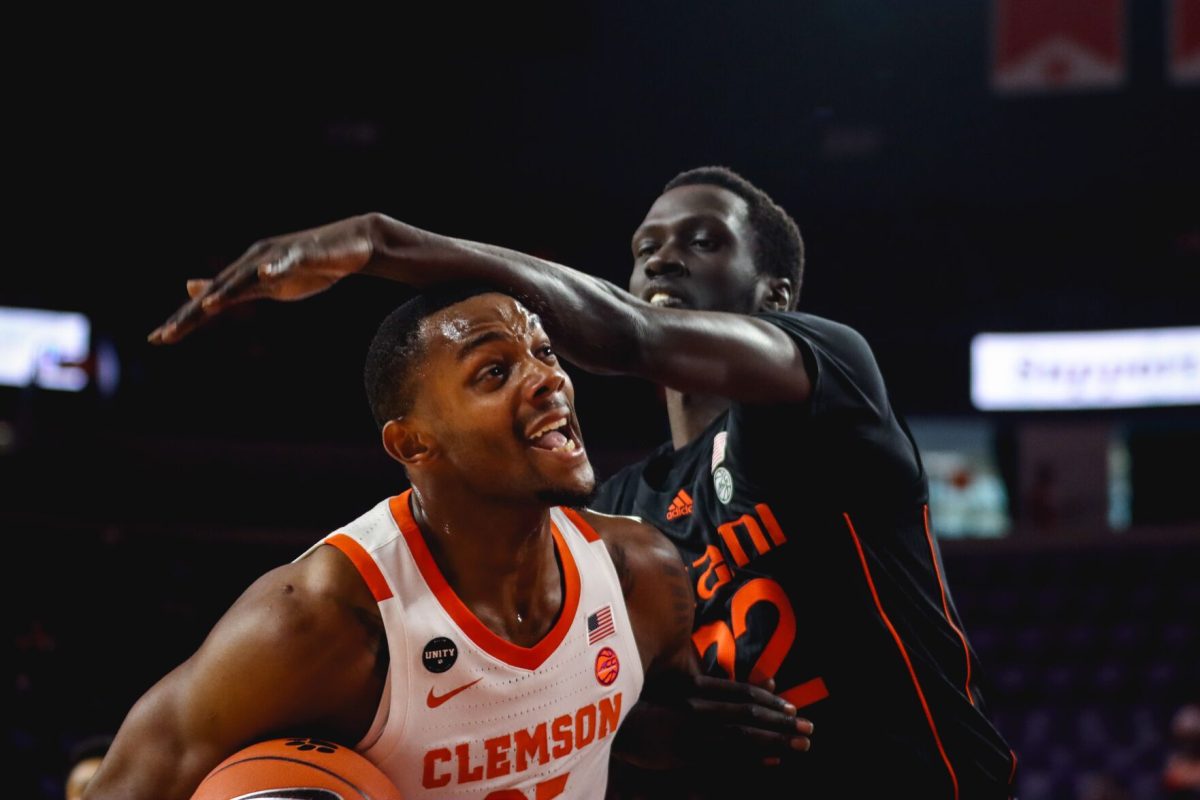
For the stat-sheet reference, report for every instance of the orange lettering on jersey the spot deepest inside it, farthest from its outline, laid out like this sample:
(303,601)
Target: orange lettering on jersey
(546,790)
(553,787)
(429,778)
(715,575)
(768,518)
(732,544)
(465,773)
(681,506)
(495,758)
(729,534)
(585,726)
(767,591)
(532,744)
(497,755)
(610,714)
(560,732)
(717,633)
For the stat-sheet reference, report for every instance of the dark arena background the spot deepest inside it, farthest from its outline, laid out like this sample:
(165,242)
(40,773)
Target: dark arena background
(957,168)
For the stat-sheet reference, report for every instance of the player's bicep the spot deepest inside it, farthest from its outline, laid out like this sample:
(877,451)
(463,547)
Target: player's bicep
(155,754)
(273,662)
(731,355)
(658,595)
(674,589)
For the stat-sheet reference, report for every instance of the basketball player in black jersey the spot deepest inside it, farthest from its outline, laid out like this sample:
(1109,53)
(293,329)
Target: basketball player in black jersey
(791,487)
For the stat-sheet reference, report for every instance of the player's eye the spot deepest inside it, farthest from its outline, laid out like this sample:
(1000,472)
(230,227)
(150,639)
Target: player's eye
(492,372)
(645,249)
(547,352)
(704,243)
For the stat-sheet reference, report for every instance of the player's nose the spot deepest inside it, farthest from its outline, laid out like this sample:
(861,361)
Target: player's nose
(545,380)
(666,261)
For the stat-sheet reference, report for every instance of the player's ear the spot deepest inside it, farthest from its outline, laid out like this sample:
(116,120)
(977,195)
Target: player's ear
(407,442)
(777,293)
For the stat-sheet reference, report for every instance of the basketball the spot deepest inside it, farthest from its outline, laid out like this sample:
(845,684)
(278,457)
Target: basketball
(296,769)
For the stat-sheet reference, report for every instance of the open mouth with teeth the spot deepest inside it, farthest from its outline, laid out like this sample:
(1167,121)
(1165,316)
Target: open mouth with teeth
(665,300)
(556,436)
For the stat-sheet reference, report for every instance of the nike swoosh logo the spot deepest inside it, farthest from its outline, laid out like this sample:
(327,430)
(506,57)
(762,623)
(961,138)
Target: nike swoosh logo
(434,700)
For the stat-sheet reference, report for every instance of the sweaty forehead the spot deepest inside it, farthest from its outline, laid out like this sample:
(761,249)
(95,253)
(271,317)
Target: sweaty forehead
(697,200)
(458,325)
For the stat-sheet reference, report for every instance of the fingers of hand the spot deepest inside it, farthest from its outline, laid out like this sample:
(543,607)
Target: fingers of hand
(240,281)
(759,716)
(734,692)
(192,313)
(278,265)
(757,743)
(197,287)
(235,287)
(178,324)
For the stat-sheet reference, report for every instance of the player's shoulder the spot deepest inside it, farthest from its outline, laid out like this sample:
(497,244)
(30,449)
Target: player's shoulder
(830,346)
(635,546)
(313,599)
(624,529)
(813,328)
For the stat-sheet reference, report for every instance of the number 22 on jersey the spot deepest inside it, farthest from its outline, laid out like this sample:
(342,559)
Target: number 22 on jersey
(724,635)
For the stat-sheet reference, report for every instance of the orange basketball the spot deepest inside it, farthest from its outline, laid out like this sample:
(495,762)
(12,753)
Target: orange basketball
(296,769)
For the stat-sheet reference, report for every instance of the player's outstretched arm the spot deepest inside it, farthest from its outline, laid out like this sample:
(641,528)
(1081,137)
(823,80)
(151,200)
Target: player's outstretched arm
(685,717)
(292,652)
(594,324)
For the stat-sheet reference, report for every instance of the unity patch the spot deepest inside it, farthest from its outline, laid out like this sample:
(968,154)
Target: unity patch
(439,655)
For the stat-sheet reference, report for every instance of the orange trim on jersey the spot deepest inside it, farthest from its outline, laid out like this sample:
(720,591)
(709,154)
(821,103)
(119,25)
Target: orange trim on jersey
(512,654)
(577,519)
(806,693)
(942,588)
(365,565)
(1013,773)
(903,654)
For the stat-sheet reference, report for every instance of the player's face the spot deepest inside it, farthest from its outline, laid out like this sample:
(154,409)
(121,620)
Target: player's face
(499,405)
(695,250)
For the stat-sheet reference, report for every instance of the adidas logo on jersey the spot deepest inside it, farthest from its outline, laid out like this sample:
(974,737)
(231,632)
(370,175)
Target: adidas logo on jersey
(681,506)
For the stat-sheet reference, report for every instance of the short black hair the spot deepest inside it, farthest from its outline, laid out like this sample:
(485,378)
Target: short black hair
(779,250)
(397,347)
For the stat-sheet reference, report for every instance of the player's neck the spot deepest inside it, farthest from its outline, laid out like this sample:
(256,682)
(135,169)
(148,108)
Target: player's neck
(499,559)
(690,414)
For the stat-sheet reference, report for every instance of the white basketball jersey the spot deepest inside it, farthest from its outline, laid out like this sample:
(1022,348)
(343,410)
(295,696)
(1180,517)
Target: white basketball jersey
(465,713)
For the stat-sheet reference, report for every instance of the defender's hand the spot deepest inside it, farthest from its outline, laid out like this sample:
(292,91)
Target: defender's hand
(749,720)
(695,719)
(289,267)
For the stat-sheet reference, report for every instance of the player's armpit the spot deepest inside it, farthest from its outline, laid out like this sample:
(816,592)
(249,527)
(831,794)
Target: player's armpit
(286,656)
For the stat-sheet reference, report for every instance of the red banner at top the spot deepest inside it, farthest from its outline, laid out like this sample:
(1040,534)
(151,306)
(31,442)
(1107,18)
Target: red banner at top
(1184,47)
(1058,45)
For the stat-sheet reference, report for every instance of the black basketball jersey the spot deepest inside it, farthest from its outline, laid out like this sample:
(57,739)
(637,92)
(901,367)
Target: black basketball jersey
(805,529)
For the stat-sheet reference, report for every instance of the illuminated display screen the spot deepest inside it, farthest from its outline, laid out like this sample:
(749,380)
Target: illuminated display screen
(1097,369)
(43,348)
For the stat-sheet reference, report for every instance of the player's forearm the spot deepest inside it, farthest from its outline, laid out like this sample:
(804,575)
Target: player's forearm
(151,759)
(602,328)
(593,323)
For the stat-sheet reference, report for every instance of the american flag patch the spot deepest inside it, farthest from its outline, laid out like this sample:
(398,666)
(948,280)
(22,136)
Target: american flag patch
(718,450)
(600,625)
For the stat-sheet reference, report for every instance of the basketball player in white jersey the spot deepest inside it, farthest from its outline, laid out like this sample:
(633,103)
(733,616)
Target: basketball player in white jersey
(474,636)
